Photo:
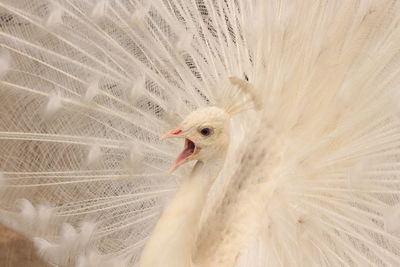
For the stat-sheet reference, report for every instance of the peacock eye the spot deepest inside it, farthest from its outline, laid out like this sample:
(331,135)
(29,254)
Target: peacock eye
(206,131)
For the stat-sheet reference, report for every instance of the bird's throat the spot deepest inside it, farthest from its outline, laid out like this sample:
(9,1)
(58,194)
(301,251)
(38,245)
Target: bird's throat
(173,240)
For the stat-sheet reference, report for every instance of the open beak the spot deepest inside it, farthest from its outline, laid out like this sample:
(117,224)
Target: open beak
(188,151)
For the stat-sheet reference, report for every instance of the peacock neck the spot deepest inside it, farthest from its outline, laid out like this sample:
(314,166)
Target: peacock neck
(173,239)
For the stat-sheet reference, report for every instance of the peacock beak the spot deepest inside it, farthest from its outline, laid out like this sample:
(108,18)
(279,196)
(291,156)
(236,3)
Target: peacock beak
(174,133)
(189,150)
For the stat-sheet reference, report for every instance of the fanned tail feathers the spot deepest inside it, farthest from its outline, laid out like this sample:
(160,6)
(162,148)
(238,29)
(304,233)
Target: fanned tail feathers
(312,174)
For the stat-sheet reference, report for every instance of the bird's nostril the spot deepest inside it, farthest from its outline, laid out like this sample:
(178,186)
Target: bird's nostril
(177,131)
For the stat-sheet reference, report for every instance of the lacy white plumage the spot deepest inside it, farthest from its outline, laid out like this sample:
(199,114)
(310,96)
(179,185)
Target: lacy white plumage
(288,111)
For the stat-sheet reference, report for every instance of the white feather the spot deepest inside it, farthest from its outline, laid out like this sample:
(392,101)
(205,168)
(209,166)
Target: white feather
(54,18)
(138,89)
(184,41)
(94,154)
(99,9)
(47,250)
(2,179)
(86,231)
(92,89)
(44,213)
(68,233)
(392,220)
(28,212)
(5,62)
(94,259)
(139,15)
(53,105)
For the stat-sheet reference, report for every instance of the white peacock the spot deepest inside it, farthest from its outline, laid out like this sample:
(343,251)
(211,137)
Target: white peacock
(288,111)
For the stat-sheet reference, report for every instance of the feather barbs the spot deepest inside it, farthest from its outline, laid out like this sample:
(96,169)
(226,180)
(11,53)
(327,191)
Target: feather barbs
(71,242)
(138,88)
(94,155)
(92,89)
(36,218)
(5,62)
(241,97)
(139,15)
(2,179)
(53,105)
(54,18)
(99,9)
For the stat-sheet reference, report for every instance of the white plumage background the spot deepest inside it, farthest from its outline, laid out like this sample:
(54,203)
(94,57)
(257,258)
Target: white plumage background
(312,173)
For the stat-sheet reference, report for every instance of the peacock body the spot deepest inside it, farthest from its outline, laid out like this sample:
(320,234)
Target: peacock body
(311,172)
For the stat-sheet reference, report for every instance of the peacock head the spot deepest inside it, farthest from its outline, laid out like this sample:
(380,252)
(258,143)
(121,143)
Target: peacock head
(206,134)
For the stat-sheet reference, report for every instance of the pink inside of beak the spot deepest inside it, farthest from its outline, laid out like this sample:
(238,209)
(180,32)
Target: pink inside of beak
(188,151)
